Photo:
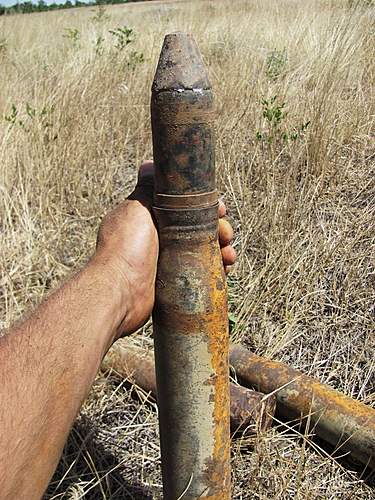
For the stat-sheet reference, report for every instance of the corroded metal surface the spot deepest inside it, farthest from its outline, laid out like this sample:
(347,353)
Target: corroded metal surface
(132,362)
(250,411)
(190,315)
(345,423)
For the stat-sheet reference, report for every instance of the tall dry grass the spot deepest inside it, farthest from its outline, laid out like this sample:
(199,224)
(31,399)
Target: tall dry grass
(303,208)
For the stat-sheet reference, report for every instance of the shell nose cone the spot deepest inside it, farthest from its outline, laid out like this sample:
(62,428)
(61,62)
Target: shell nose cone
(180,65)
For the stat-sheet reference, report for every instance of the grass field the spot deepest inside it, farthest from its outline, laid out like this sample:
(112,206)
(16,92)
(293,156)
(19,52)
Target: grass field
(294,86)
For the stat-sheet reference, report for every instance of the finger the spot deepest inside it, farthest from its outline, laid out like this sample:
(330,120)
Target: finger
(146,174)
(225,232)
(222,209)
(228,255)
(145,183)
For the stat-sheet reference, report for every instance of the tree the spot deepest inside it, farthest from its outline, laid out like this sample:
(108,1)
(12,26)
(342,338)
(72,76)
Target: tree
(42,6)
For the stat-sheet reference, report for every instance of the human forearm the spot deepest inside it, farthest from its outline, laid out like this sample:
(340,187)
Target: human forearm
(49,361)
(47,366)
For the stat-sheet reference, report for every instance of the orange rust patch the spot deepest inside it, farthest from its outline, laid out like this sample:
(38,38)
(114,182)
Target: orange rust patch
(218,335)
(335,417)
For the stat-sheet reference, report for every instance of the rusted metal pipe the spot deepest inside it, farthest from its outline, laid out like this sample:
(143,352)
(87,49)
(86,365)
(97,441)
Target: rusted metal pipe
(190,315)
(250,411)
(345,423)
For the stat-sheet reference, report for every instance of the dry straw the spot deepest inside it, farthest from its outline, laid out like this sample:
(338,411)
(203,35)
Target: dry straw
(295,152)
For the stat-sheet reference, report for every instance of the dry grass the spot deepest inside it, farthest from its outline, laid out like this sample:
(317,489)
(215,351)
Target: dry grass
(303,209)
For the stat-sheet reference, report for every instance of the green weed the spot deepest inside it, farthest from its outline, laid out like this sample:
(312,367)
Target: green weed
(275,63)
(3,46)
(99,45)
(74,35)
(29,116)
(275,116)
(123,37)
(100,15)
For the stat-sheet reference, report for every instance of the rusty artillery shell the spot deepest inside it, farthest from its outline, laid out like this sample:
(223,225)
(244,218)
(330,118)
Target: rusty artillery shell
(190,315)
(345,423)
(250,411)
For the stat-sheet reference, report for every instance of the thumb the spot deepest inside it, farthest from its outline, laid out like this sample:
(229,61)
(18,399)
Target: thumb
(143,191)
(146,174)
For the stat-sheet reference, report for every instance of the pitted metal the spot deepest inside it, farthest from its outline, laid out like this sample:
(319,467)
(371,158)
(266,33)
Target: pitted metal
(180,65)
(190,315)
(250,411)
(345,423)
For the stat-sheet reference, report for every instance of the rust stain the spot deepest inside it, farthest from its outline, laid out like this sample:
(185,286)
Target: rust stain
(248,410)
(219,346)
(190,314)
(338,419)
(134,363)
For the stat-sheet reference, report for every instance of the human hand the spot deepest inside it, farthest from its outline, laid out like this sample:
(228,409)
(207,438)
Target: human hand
(128,245)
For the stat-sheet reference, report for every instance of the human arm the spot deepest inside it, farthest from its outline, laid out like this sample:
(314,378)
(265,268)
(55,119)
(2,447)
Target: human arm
(49,361)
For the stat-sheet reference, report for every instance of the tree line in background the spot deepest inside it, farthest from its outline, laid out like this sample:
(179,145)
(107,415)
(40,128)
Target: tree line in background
(41,6)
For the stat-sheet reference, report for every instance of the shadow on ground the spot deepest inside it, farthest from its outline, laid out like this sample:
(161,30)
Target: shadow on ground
(89,470)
